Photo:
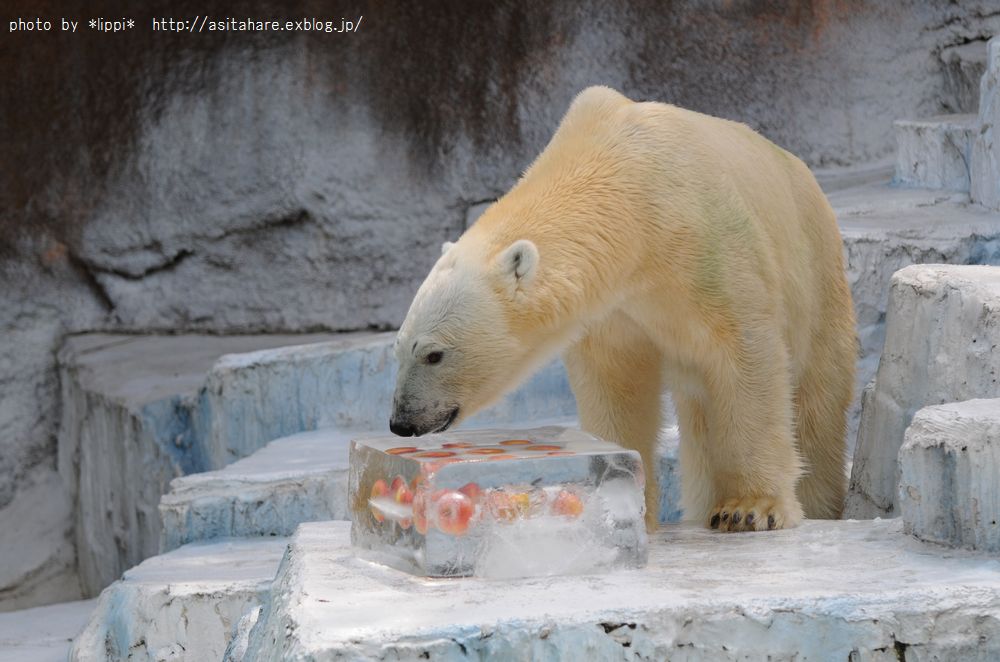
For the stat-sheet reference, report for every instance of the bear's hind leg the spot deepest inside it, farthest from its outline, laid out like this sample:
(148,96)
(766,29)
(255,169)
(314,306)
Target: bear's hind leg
(616,375)
(823,396)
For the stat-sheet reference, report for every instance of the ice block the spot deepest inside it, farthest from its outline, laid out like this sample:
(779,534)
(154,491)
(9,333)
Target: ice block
(497,503)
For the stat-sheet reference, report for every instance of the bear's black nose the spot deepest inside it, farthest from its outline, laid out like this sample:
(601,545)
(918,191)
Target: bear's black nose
(401,429)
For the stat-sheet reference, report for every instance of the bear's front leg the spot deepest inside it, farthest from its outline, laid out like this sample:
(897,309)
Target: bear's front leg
(750,449)
(616,375)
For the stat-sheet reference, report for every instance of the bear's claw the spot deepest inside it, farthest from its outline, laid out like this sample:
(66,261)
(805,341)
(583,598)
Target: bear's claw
(748,514)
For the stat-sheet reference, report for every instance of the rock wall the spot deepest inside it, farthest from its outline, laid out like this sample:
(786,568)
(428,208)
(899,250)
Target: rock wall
(292,182)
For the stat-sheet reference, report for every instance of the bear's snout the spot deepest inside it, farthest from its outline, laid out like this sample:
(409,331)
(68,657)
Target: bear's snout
(401,429)
(409,424)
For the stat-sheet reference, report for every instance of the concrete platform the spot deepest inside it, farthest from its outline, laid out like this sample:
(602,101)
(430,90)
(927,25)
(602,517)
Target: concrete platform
(845,590)
(935,152)
(295,479)
(127,429)
(183,605)
(42,634)
(949,475)
(303,478)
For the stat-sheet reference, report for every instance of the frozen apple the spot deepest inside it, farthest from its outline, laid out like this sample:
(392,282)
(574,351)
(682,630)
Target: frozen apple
(454,510)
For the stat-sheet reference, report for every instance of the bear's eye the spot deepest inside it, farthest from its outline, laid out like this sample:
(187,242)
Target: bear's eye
(434,357)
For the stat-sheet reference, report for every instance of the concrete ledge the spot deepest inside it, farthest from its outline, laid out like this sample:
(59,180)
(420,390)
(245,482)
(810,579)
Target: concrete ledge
(827,590)
(949,486)
(180,605)
(935,152)
(942,345)
(299,478)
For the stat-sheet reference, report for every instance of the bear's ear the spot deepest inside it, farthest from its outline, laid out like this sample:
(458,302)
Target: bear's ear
(446,246)
(518,262)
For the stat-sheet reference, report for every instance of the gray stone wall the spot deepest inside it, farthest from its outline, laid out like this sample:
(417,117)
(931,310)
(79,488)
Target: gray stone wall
(237,183)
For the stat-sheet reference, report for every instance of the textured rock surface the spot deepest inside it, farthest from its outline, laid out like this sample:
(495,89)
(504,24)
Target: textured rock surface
(303,478)
(949,485)
(800,594)
(240,183)
(942,345)
(986,149)
(42,634)
(183,605)
(935,152)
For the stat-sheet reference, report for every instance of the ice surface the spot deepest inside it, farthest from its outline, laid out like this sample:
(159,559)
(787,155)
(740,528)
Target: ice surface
(498,503)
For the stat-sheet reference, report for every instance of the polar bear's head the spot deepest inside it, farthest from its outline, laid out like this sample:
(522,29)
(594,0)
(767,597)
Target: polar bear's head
(457,350)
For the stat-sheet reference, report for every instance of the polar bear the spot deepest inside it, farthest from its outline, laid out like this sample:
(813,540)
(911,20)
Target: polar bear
(659,248)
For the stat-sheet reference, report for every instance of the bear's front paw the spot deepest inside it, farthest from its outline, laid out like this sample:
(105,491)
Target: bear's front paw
(764,513)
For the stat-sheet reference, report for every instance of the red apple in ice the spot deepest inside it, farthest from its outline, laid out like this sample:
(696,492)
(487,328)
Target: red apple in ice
(454,510)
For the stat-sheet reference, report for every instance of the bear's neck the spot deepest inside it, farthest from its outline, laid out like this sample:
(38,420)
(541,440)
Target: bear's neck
(589,249)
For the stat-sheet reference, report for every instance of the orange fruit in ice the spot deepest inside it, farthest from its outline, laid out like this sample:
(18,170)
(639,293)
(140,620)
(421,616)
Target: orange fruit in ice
(435,454)
(568,504)
(486,451)
(508,506)
(543,447)
(516,442)
(401,450)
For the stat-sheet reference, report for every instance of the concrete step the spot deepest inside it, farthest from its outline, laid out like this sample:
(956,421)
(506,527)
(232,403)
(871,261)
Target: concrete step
(949,484)
(942,345)
(134,416)
(183,605)
(936,152)
(303,478)
(42,634)
(843,590)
